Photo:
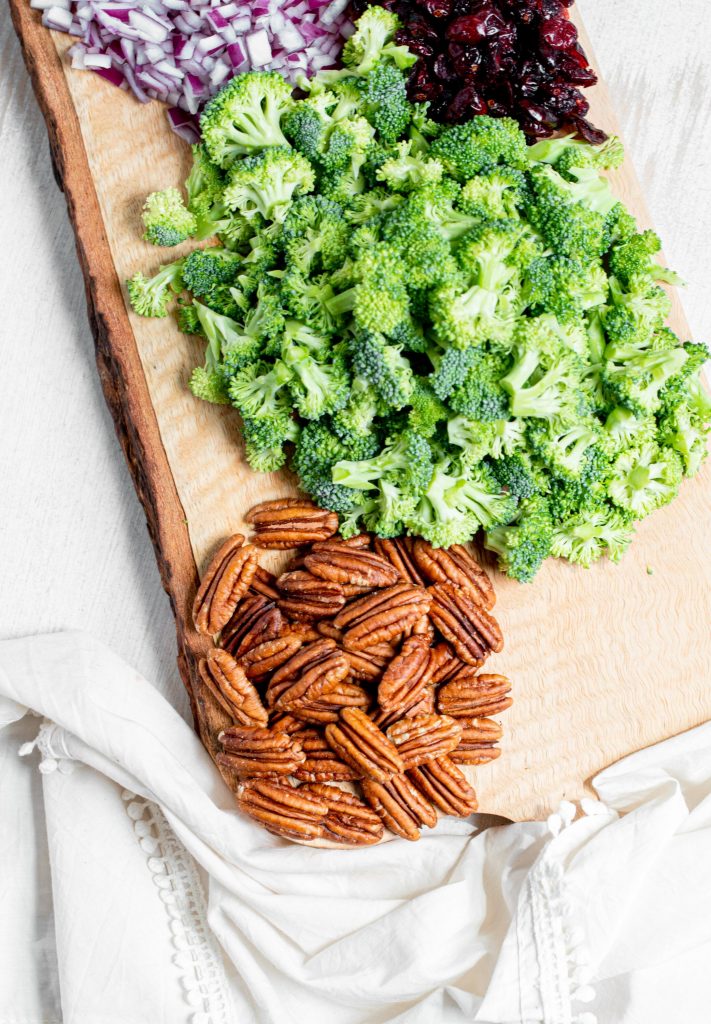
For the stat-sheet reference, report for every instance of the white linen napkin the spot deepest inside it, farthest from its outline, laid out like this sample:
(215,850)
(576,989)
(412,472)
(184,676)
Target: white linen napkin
(161,904)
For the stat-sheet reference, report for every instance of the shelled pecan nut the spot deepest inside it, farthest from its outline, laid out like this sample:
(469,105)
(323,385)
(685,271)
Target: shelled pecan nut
(251,752)
(225,583)
(445,663)
(398,551)
(280,721)
(321,764)
(401,807)
(468,627)
(290,522)
(264,583)
(305,596)
(311,672)
(406,677)
(327,706)
(422,627)
(229,685)
(445,786)
(362,745)
(254,620)
(267,657)
(365,665)
(361,540)
(326,628)
(457,566)
(349,820)
(303,631)
(473,696)
(478,742)
(283,809)
(424,706)
(382,616)
(354,567)
(424,738)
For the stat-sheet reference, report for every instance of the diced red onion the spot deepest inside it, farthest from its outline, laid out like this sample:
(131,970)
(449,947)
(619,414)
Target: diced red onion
(183,51)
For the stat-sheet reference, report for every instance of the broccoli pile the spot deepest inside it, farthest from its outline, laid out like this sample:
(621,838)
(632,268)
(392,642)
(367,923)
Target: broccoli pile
(443,329)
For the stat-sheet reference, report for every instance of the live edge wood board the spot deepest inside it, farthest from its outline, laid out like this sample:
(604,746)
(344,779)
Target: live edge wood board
(603,662)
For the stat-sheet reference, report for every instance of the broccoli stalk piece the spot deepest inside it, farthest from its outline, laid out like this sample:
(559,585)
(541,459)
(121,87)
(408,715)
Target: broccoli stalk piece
(266,183)
(166,218)
(150,296)
(246,116)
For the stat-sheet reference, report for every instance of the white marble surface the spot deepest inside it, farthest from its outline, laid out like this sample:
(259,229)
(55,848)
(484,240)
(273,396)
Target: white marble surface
(74,549)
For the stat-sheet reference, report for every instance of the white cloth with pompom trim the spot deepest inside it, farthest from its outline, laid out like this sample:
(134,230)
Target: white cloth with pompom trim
(132,891)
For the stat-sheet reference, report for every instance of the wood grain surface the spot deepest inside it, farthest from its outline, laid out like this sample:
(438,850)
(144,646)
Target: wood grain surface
(603,661)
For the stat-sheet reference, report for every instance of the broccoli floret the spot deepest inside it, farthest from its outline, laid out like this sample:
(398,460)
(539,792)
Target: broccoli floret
(204,186)
(384,98)
(634,256)
(643,479)
(544,382)
(482,395)
(315,235)
(480,145)
(435,516)
(568,151)
(495,195)
(306,126)
(384,367)
(316,454)
(451,367)
(519,476)
(259,390)
(636,377)
(372,42)
(150,296)
(564,450)
(427,411)
(405,461)
(564,287)
(310,299)
(317,387)
(355,423)
(267,183)
(188,319)
(570,215)
(586,538)
(408,170)
(348,146)
(479,494)
(523,546)
(166,219)
(227,340)
(379,300)
(687,433)
(208,385)
(636,312)
(371,205)
(205,269)
(246,116)
(265,438)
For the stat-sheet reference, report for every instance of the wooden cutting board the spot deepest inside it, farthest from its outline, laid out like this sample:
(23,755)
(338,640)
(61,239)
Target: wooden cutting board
(603,661)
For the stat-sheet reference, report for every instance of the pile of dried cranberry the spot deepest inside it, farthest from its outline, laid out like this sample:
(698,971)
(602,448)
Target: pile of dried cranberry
(515,58)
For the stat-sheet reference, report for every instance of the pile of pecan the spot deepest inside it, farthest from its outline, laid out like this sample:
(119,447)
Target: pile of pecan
(358,665)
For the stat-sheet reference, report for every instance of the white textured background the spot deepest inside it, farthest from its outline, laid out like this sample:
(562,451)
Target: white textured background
(74,549)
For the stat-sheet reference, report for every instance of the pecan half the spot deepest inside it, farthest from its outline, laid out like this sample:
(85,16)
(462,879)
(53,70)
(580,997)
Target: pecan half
(328,706)
(307,675)
(283,809)
(321,764)
(356,567)
(305,596)
(225,583)
(472,632)
(290,522)
(478,742)
(264,583)
(361,540)
(406,677)
(231,688)
(382,616)
(279,721)
(401,807)
(423,627)
(443,783)
(424,738)
(254,620)
(349,820)
(473,696)
(398,552)
(363,746)
(267,657)
(424,706)
(249,752)
(326,628)
(457,566)
(304,631)
(365,665)
(445,663)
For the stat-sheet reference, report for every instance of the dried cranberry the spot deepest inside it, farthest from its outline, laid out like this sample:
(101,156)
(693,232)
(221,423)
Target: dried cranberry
(588,131)
(472,28)
(437,8)
(442,69)
(465,105)
(465,60)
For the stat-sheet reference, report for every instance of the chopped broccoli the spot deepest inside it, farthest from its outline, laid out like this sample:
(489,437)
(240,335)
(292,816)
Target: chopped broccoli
(150,296)
(166,218)
(384,367)
(372,42)
(246,116)
(408,171)
(266,183)
(523,546)
(643,479)
(584,539)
